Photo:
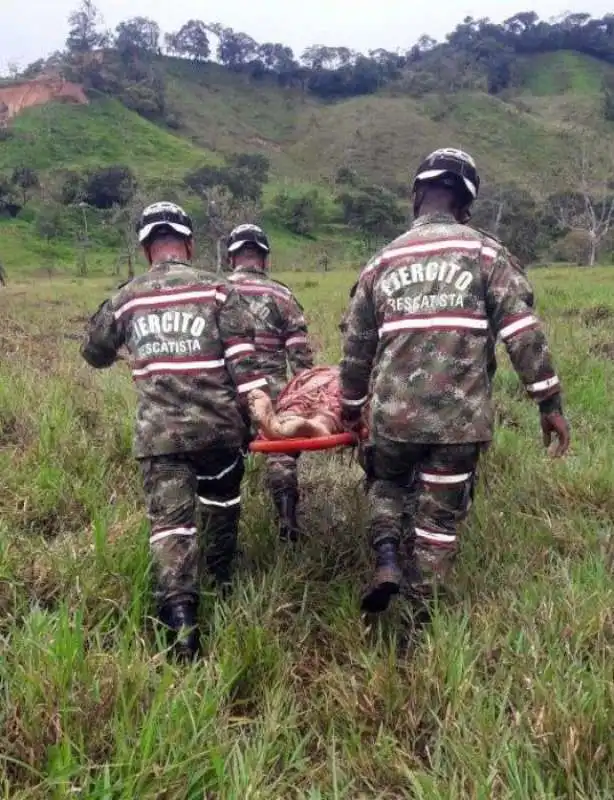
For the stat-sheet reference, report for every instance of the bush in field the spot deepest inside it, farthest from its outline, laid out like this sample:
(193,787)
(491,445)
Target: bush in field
(373,211)
(25,179)
(110,186)
(244,176)
(102,188)
(299,213)
(50,222)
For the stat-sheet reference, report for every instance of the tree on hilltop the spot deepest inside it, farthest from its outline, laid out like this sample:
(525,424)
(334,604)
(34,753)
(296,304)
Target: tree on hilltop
(84,34)
(191,40)
(234,48)
(137,36)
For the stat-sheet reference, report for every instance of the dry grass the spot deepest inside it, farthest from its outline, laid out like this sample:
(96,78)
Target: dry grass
(508,694)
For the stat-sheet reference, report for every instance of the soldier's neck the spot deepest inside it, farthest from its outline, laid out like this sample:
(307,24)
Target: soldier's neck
(166,260)
(167,253)
(430,213)
(250,265)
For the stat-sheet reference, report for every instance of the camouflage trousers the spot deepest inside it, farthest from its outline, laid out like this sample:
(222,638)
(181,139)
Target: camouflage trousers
(281,475)
(193,504)
(418,495)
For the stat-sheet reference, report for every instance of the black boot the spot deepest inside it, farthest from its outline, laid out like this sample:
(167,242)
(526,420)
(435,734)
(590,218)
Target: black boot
(221,530)
(220,568)
(180,618)
(387,580)
(286,505)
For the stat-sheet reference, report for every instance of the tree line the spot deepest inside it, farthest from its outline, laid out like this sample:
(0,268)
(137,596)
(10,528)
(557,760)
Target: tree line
(478,54)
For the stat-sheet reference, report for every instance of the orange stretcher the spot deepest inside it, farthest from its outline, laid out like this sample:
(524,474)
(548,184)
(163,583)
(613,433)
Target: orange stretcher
(298,445)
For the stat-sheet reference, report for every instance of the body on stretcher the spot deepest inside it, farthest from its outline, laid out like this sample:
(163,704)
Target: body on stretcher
(306,416)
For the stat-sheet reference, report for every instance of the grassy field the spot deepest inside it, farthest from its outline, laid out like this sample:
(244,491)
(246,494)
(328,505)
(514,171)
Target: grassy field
(508,693)
(27,257)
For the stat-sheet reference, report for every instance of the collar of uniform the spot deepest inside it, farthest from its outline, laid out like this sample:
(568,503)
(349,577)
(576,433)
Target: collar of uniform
(436,218)
(251,269)
(166,264)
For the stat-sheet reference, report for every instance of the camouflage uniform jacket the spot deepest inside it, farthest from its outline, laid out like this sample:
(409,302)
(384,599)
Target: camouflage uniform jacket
(281,330)
(191,342)
(421,333)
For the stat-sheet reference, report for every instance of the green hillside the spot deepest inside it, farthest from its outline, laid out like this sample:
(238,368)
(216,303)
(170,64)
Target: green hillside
(229,112)
(66,136)
(383,135)
(529,137)
(565,71)
(380,135)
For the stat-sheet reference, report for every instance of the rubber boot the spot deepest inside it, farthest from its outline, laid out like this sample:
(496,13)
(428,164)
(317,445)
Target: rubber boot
(221,528)
(387,580)
(286,505)
(183,637)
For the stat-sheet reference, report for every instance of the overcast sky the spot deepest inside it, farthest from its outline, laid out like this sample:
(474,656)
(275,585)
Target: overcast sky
(30,29)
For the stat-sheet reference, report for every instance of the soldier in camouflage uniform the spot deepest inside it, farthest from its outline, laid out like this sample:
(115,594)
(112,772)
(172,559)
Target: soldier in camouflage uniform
(190,338)
(281,340)
(420,341)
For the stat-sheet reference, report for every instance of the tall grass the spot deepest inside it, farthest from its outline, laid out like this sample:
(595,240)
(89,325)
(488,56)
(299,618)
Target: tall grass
(507,694)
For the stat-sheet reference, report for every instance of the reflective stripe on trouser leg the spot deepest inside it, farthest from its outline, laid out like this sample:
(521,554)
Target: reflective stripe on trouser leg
(281,476)
(446,481)
(219,496)
(170,485)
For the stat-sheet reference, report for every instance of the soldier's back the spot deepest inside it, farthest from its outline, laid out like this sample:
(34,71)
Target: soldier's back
(269,302)
(186,398)
(431,382)
(259,287)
